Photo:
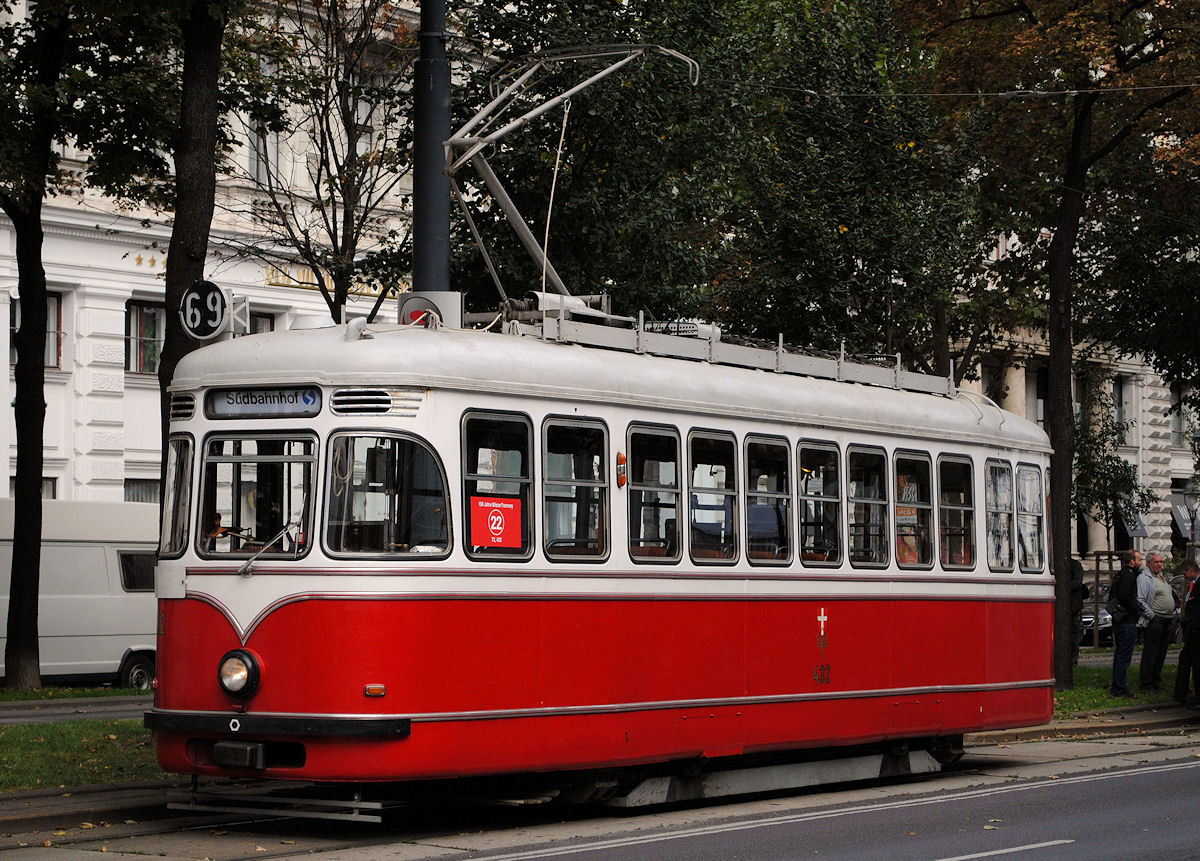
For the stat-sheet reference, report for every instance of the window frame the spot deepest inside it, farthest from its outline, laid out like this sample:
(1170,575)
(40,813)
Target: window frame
(943,507)
(883,503)
(732,546)
(788,520)
(54,330)
(634,485)
(135,343)
(989,510)
(838,499)
(177,496)
(327,507)
(525,494)
(310,508)
(604,536)
(1040,516)
(927,506)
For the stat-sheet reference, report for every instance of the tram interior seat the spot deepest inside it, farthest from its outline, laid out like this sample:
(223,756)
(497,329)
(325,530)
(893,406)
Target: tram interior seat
(658,548)
(766,530)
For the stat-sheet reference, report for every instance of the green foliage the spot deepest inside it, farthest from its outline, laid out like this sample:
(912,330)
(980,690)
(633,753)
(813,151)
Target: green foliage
(114,95)
(796,190)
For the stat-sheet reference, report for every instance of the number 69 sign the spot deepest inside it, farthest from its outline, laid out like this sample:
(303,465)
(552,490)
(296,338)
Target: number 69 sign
(204,310)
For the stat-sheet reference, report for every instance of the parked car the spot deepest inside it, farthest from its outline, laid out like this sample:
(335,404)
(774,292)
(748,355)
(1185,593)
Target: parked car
(1088,624)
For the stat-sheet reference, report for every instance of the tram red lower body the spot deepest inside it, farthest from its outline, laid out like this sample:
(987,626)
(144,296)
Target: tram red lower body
(513,685)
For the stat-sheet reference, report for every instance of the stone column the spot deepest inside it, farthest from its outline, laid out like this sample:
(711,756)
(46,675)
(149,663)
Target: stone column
(99,392)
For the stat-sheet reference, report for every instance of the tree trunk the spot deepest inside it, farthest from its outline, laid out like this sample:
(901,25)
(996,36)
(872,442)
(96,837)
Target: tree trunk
(1060,415)
(22,661)
(195,182)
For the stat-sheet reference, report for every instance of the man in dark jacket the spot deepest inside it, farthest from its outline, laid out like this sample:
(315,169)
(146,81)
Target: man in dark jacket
(1125,610)
(1189,655)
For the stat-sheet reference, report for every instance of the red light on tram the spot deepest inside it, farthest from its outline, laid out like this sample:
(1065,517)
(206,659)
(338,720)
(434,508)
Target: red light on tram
(620,469)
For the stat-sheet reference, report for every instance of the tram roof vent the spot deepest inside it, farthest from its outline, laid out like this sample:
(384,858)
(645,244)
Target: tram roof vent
(183,407)
(361,402)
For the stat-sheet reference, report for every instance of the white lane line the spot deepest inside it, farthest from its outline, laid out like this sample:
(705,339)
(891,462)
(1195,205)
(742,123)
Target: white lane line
(1008,851)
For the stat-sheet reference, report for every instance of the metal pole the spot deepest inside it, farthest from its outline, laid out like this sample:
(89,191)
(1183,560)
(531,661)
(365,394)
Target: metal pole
(431,129)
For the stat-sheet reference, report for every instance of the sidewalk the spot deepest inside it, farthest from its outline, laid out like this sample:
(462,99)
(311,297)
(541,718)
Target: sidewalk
(1123,720)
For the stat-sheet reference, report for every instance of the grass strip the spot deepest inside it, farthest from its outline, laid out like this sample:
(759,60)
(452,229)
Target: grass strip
(63,754)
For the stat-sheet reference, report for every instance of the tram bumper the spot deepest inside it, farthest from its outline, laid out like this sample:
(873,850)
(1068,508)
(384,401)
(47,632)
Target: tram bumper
(224,723)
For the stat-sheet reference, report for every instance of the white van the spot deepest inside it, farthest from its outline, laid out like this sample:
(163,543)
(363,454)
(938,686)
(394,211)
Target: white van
(96,607)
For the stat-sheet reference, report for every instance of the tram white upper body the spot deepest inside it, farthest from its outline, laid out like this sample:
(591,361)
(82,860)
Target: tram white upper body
(437,375)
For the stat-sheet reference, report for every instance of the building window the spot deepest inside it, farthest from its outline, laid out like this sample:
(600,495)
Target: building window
(141,490)
(54,333)
(260,323)
(1180,418)
(49,488)
(145,326)
(1122,406)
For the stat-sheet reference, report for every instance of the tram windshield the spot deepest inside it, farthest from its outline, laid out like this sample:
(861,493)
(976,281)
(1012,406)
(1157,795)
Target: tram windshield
(254,495)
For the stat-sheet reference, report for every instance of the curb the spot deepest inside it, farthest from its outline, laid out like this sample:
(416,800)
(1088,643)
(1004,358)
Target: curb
(1123,720)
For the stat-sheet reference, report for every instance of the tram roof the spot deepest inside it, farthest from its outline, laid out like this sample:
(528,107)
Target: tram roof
(397,356)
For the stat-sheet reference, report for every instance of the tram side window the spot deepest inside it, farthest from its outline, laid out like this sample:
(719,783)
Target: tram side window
(386,496)
(712,497)
(820,505)
(768,502)
(914,511)
(998,498)
(576,490)
(1030,513)
(255,494)
(497,479)
(956,512)
(653,495)
(868,507)
(177,497)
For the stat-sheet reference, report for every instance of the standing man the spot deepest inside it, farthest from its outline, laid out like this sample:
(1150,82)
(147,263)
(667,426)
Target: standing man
(1162,603)
(1189,656)
(1125,611)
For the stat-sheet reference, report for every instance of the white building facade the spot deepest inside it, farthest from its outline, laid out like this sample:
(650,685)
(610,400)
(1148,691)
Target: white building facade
(104,274)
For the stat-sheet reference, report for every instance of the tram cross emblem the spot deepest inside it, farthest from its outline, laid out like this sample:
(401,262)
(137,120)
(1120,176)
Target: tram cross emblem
(822,640)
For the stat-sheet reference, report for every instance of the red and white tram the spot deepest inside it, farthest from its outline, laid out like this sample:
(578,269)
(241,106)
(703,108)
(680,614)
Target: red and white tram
(399,552)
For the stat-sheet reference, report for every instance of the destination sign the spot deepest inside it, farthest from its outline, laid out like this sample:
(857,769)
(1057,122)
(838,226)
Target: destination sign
(292,402)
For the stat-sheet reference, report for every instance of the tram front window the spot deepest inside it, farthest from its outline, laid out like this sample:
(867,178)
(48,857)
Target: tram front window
(386,496)
(254,495)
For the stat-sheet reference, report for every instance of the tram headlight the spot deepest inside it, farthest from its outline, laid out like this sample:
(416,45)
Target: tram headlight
(238,673)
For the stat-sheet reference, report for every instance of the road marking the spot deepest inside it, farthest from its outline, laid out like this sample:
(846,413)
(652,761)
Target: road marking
(1008,851)
(792,818)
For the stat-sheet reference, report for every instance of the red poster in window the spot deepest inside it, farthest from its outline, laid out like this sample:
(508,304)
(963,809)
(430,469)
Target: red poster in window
(495,522)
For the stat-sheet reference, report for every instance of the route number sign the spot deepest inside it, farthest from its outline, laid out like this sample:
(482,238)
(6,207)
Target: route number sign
(205,310)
